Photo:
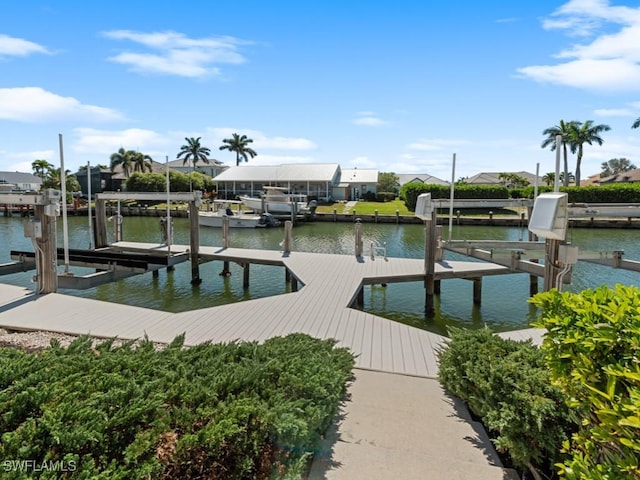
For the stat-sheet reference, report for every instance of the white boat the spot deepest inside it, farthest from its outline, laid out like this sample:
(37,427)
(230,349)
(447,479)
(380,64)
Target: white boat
(238,218)
(277,200)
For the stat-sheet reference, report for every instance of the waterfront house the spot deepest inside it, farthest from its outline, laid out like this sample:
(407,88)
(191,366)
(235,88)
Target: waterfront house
(321,181)
(494,178)
(630,176)
(19,182)
(404,178)
(213,168)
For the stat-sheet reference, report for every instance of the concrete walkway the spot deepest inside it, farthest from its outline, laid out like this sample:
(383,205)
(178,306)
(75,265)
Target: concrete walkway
(403,427)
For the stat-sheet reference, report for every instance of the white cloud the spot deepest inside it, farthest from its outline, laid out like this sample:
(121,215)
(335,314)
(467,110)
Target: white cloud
(436,144)
(176,54)
(361,162)
(18,47)
(274,160)
(34,104)
(261,141)
(369,119)
(610,61)
(613,74)
(21,162)
(106,142)
(612,112)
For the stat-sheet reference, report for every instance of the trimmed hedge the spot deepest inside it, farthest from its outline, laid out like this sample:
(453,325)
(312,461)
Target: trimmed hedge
(240,410)
(506,383)
(620,193)
(410,192)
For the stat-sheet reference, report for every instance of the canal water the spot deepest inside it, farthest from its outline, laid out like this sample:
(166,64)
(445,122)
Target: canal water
(504,297)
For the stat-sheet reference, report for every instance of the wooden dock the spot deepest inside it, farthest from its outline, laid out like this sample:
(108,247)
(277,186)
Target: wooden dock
(320,308)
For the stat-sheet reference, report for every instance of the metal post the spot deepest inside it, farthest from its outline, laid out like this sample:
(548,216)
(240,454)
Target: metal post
(556,180)
(65,228)
(451,197)
(89,203)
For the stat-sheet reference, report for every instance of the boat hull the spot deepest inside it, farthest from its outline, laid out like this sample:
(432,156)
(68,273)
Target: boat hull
(277,207)
(211,219)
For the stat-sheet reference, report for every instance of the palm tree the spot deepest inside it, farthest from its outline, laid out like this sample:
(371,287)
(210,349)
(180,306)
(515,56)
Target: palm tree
(582,133)
(569,178)
(53,179)
(239,144)
(141,162)
(193,152)
(41,167)
(549,177)
(564,129)
(124,159)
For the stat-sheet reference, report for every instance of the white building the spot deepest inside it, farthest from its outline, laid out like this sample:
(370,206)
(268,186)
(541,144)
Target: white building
(213,168)
(322,181)
(19,181)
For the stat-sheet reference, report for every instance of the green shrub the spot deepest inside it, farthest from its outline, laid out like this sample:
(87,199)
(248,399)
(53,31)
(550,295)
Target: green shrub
(385,196)
(593,350)
(178,182)
(506,384)
(410,192)
(240,410)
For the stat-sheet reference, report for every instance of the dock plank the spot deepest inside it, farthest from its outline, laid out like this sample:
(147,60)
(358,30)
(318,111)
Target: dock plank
(327,285)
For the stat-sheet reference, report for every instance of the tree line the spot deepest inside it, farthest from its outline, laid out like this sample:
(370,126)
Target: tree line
(131,161)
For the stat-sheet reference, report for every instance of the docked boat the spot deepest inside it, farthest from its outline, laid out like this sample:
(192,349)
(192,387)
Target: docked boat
(278,201)
(238,218)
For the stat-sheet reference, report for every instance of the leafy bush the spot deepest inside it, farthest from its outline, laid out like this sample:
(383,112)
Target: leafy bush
(506,384)
(592,346)
(178,182)
(385,196)
(240,410)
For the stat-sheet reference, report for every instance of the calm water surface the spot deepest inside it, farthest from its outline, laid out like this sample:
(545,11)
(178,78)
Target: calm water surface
(504,297)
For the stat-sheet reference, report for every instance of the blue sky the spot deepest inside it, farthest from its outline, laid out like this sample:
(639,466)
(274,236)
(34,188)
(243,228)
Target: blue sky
(395,85)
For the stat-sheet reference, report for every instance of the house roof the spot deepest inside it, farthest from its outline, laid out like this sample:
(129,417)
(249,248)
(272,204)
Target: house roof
(359,175)
(493,178)
(313,172)
(179,163)
(419,178)
(622,177)
(19,177)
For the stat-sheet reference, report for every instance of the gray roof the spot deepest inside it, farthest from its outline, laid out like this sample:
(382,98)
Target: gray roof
(312,172)
(492,178)
(180,163)
(359,175)
(419,178)
(623,177)
(19,177)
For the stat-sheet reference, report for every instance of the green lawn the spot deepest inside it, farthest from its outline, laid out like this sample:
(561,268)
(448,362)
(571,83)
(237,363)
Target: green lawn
(368,208)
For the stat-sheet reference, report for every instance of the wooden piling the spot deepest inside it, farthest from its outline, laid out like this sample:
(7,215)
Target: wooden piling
(477,291)
(194,243)
(429,264)
(245,275)
(100,231)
